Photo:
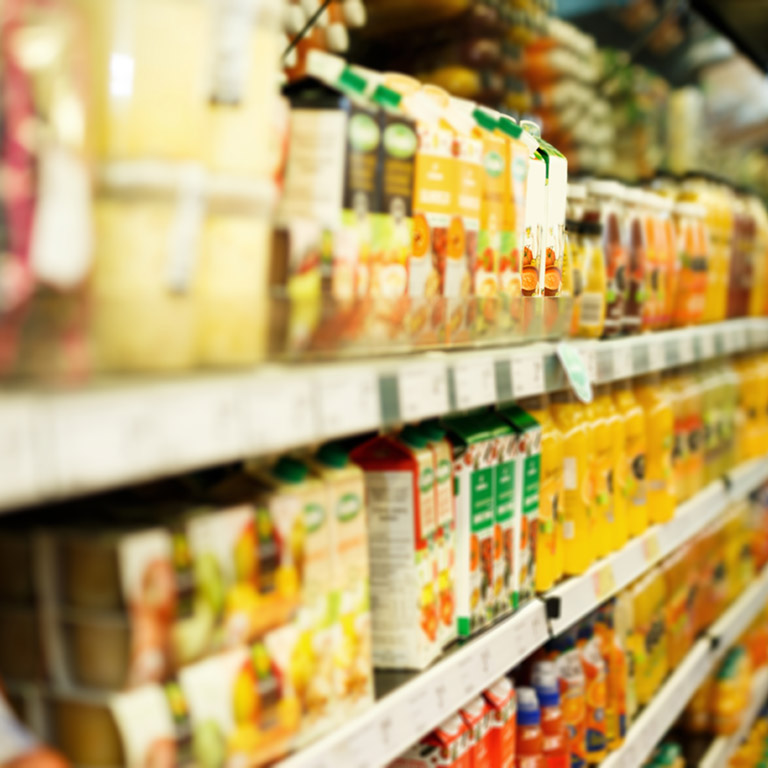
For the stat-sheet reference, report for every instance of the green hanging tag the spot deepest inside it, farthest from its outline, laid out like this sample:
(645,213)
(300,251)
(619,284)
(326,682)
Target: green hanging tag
(576,369)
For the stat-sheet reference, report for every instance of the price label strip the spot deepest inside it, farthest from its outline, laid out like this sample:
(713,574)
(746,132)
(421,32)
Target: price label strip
(527,375)
(474,382)
(422,391)
(349,402)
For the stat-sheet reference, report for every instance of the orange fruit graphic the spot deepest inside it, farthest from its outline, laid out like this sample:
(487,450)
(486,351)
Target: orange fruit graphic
(420,235)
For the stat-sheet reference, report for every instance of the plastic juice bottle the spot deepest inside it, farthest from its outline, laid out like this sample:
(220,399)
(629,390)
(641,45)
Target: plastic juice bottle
(617,486)
(644,645)
(624,625)
(445,543)
(600,470)
(657,638)
(709,382)
(592,305)
(545,680)
(573,684)
(595,674)
(636,262)
(659,431)
(551,498)
(530,739)
(650,223)
(616,677)
(634,457)
(568,414)
(731,695)
(673,386)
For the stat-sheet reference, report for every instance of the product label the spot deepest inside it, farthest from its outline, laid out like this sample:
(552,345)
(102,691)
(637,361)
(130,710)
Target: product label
(503,535)
(486,265)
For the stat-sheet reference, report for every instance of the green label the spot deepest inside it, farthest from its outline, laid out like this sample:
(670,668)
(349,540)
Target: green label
(314,517)
(505,491)
(364,133)
(443,471)
(400,141)
(494,164)
(481,503)
(349,505)
(426,480)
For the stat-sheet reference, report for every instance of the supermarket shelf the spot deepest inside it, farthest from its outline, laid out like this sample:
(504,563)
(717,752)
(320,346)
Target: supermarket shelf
(578,596)
(399,719)
(60,444)
(719,753)
(669,702)
(405,715)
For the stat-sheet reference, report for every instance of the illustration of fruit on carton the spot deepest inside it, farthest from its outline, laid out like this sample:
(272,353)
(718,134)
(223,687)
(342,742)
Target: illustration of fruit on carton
(445,540)
(505,515)
(400,498)
(474,453)
(535,221)
(154,726)
(527,483)
(244,585)
(244,708)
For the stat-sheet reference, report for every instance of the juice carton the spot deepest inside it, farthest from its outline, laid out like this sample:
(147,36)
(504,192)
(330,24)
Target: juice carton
(477,717)
(351,628)
(601,469)
(519,146)
(473,471)
(505,513)
(535,223)
(502,734)
(445,506)
(551,271)
(243,708)
(527,481)
(154,725)
(399,487)
(448,746)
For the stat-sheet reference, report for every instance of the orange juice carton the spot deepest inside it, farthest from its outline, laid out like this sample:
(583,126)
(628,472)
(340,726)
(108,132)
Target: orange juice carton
(506,515)
(527,482)
(402,527)
(535,221)
(448,746)
(551,271)
(438,232)
(351,627)
(246,704)
(445,506)
(154,725)
(502,732)
(473,471)
(513,228)
(477,717)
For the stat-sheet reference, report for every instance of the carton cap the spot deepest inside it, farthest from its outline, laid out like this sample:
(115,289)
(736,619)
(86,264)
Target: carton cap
(290,471)
(510,127)
(413,437)
(333,455)
(531,127)
(485,119)
(433,431)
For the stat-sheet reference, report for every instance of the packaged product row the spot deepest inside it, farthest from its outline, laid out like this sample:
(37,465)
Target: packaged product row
(317,567)
(368,213)
(754,751)
(583,690)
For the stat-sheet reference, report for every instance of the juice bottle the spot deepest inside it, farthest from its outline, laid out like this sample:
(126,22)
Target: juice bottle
(616,677)
(624,626)
(600,473)
(592,306)
(659,431)
(573,685)
(595,674)
(731,694)
(551,498)
(656,640)
(694,408)
(545,681)
(634,457)
(636,262)
(691,286)
(530,740)
(568,413)
(673,387)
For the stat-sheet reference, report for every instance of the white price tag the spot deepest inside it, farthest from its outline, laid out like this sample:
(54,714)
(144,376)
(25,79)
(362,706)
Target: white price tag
(657,356)
(423,391)
(623,361)
(685,351)
(348,402)
(475,383)
(527,375)
(468,676)
(706,345)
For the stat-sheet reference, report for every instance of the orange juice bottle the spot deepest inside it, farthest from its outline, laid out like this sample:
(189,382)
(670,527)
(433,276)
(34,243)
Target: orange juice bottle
(634,457)
(595,673)
(674,387)
(659,431)
(616,677)
(600,467)
(618,524)
(691,408)
(568,413)
(551,496)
